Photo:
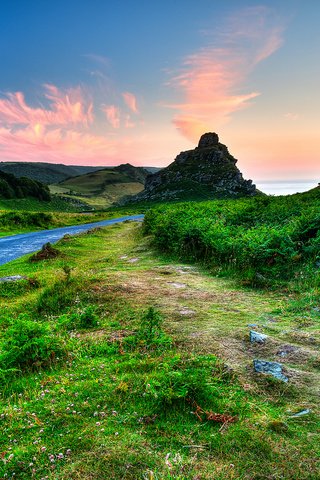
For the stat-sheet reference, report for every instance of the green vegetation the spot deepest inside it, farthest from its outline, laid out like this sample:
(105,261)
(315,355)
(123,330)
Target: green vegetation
(45,172)
(102,377)
(13,222)
(31,215)
(13,187)
(56,204)
(102,188)
(264,240)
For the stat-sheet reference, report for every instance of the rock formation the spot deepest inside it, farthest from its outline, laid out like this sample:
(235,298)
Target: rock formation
(207,172)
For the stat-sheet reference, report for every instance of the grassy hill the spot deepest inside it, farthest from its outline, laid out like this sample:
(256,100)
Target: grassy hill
(45,172)
(101,188)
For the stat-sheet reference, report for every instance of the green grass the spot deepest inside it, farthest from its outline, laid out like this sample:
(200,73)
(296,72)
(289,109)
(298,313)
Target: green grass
(34,205)
(109,388)
(100,189)
(23,221)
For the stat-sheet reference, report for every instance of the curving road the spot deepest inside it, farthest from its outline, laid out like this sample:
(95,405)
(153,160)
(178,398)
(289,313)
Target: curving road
(16,246)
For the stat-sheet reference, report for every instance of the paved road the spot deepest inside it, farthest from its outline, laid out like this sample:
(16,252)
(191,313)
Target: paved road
(16,246)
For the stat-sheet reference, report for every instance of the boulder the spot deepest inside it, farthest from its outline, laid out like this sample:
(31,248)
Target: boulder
(271,368)
(256,337)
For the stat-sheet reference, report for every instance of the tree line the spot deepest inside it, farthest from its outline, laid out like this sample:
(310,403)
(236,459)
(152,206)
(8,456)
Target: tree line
(14,187)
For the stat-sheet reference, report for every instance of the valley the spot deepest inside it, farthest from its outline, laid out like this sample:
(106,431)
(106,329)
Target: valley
(182,346)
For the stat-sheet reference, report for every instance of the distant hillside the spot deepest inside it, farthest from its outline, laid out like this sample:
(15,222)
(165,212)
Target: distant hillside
(153,169)
(13,187)
(104,187)
(45,172)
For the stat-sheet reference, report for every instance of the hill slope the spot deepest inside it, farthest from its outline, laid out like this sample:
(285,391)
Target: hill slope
(45,172)
(104,187)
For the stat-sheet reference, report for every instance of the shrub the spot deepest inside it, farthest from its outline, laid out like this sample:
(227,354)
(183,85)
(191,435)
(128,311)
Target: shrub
(269,236)
(86,318)
(26,219)
(150,326)
(29,345)
(149,334)
(188,379)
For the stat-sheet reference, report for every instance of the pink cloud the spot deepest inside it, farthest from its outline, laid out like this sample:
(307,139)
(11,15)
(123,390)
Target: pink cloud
(128,122)
(131,101)
(54,145)
(76,147)
(65,107)
(210,80)
(113,115)
(63,128)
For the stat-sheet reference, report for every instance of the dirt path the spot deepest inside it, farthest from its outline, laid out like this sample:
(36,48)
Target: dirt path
(214,315)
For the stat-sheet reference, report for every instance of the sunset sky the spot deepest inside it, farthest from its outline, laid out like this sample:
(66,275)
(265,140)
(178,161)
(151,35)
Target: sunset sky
(103,82)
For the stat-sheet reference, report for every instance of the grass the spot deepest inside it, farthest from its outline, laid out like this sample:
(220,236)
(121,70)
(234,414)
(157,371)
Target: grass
(99,189)
(34,205)
(116,400)
(23,221)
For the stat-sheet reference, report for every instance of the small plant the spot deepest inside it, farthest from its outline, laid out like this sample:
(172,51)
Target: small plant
(150,326)
(149,334)
(88,318)
(187,379)
(67,271)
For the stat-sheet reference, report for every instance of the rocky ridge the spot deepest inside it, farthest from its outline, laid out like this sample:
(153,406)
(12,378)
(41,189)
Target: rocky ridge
(207,172)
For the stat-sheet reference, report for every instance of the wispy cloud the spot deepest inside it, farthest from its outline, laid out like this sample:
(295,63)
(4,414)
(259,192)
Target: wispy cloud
(292,116)
(65,107)
(210,80)
(113,115)
(98,59)
(131,101)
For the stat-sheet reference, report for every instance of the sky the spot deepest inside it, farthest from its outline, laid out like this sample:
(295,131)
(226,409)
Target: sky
(104,82)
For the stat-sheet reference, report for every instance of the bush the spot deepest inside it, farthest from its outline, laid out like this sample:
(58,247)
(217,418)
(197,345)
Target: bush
(86,318)
(29,345)
(26,219)
(14,187)
(188,379)
(270,236)
(149,335)
(150,326)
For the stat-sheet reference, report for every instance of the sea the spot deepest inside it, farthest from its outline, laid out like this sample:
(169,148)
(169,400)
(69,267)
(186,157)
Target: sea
(285,187)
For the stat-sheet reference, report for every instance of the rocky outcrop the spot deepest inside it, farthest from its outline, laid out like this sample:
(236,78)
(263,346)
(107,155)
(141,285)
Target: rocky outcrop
(207,172)
(136,174)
